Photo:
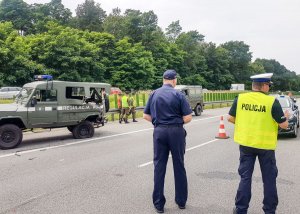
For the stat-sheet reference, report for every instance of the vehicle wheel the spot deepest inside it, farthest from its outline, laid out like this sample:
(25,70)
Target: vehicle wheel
(298,123)
(198,110)
(84,129)
(70,128)
(10,136)
(295,134)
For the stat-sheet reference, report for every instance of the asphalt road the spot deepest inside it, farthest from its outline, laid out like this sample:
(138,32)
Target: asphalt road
(113,172)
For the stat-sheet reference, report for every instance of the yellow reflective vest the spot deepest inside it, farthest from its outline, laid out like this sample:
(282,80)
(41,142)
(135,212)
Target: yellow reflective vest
(124,101)
(254,124)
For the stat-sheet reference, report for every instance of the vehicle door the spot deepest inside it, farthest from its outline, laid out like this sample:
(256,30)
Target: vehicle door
(295,109)
(43,110)
(193,97)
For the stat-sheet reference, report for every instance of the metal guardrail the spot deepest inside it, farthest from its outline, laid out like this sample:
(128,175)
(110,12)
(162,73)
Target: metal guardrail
(214,104)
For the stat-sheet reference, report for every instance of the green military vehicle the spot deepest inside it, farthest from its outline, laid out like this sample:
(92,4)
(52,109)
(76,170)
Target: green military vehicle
(194,95)
(79,106)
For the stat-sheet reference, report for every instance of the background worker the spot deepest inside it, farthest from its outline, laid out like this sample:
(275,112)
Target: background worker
(168,110)
(131,104)
(125,107)
(119,103)
(256,116)
(106,99)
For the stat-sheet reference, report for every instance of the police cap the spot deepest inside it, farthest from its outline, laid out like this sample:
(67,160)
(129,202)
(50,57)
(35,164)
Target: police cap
(262,77)
(170,74)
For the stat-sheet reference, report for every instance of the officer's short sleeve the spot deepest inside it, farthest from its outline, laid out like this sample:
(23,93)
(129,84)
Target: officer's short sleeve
(232,111)
(277,112)
(147,108)
(185,106)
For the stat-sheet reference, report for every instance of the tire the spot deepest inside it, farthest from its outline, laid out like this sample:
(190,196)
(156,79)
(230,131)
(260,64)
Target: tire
(84,129)
(10,136)
(70,128)
(295,134)
(198,110)
(298,123)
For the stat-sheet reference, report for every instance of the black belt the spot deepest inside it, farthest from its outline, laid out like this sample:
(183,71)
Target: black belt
(169,125)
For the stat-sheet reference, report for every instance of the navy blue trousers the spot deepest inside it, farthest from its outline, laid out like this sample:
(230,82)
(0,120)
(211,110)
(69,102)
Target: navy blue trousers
(168,139)
(269,173)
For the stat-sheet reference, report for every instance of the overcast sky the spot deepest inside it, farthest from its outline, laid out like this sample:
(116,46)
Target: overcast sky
(270,27)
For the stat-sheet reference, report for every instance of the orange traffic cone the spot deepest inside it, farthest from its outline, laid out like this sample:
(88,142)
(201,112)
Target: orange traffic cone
(222,132)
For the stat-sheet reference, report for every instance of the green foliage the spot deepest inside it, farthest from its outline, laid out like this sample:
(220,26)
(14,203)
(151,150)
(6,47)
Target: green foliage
(90,16)
(128,50)
(67,54)
(240,58)
(132,66)
(16,11)
(173,31)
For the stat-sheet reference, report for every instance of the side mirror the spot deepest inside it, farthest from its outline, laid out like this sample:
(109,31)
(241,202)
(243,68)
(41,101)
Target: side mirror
(33,101)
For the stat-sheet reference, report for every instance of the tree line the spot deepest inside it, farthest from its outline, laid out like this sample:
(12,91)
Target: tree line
(126,49)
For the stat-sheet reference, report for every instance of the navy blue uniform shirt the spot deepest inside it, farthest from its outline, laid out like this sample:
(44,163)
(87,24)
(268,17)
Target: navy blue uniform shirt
(167,106)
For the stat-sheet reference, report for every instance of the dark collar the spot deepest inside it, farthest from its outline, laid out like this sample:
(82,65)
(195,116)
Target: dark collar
(167,85)
(260,92)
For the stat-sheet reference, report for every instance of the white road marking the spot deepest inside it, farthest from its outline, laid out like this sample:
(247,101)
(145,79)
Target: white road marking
(69,144)
(89,140)
(189,149)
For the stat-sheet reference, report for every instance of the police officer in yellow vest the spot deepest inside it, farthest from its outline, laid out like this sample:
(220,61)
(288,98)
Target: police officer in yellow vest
(256,116)
(125,108)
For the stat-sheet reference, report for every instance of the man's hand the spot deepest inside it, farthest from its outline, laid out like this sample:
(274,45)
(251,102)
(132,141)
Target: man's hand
(147,117)
(231,119)
(287,114)
(187,118)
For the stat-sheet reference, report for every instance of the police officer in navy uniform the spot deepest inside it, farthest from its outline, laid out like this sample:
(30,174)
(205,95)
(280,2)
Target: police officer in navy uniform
(168,110)
(256,116)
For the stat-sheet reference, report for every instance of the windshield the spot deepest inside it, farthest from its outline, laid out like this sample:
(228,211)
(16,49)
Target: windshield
(285,103)
(24,95)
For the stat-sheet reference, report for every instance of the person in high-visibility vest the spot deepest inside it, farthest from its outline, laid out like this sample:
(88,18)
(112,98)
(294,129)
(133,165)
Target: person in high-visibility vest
(125,108)
(256,116)
(119,102)
(131,104)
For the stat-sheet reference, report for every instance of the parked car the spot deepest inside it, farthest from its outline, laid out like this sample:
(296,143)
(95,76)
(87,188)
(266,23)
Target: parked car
(288,104)
(9,92)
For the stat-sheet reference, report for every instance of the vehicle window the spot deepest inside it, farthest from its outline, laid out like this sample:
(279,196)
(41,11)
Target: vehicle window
(97,89)
(285,103)
(22,97)
(198,91)
(13,89)
(46,95)
(185,92)
(4,89)
(192,91)
(75,93)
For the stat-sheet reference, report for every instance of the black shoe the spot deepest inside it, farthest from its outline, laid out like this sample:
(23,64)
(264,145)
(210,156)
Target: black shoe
(120,121)
(181,207)
(134,121)
(126,121)
(159,210)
